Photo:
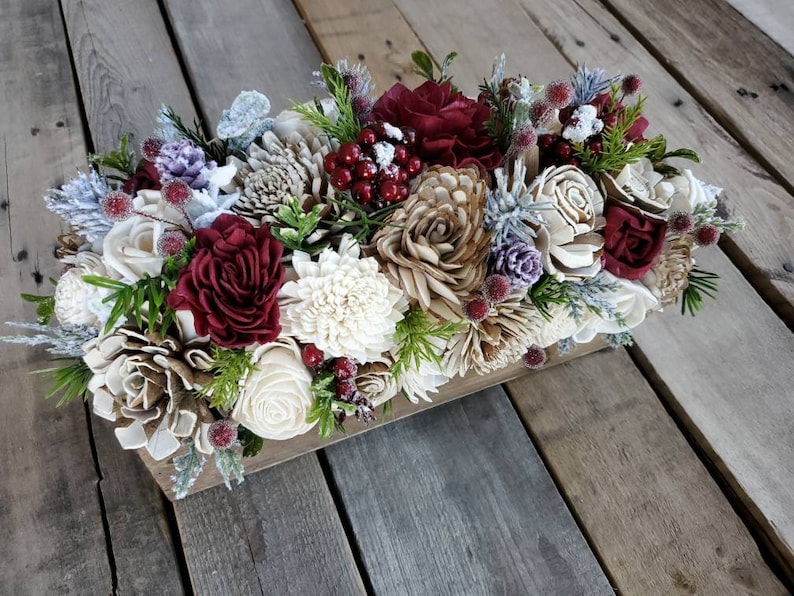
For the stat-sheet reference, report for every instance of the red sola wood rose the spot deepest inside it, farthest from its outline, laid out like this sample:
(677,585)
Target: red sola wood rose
(450,127)
(230,284)
(631,241)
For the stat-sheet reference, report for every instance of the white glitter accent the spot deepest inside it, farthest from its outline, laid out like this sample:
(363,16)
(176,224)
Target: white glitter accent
(384,153)
(392,132)
(583,124)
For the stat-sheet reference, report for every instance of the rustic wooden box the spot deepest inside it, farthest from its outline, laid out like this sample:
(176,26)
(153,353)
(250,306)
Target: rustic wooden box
(275,452)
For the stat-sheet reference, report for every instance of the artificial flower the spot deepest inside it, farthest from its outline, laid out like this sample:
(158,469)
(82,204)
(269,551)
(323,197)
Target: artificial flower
(632,241)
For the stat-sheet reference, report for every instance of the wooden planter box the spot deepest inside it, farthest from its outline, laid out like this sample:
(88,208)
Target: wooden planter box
(275,452)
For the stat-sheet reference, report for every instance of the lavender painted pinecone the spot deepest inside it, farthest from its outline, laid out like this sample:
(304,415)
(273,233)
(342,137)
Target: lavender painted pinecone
(185,161)
(518,261)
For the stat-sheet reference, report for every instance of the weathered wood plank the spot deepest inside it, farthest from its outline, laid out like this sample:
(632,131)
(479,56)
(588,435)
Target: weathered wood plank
(657,520)
(277,533)
(744,79)
(457,501)
(773,17)
(127,68)
(49,509)
(380,37)
(275,452)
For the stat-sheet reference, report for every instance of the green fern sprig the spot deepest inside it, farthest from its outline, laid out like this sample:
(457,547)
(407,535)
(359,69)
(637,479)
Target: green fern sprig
(701,283)
(70,381)
(229,368)
(415,334)
(347,126)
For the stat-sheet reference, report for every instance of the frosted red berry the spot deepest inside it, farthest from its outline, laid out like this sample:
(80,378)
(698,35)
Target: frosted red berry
(681,222)
(540,112)
(496,288)
(476,310)
(176,193)
(390,191)
(535,357)
(171,243)
(117,206)
(414,166)
(341,178)
(312,356)
(524,139)
(345,389)
(563,150)
(348,153)
(366,169)
(631,84)
(707,234)
(362,191)
(222,434)
(558,94)
(345,368)
(150,148)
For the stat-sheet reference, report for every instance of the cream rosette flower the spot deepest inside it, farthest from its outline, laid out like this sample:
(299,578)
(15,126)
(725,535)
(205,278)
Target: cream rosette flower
(78,302)
(376,382)
(417,382)
(570,246)
(669,275)
(341,303)
(631,301)
(640,185)
(277,394)
(129,250)
(559,325)
(289,122)
(690,192)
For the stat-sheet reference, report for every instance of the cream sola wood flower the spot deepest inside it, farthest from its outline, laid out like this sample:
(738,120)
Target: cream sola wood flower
(145,381)
(76,301)
(669,275)
(341,303)
(435,247)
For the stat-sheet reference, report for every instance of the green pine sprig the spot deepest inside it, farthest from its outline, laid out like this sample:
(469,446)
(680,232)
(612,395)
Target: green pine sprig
(363,223)
(70,381)
(701,283)
(295,226)
(215,149)
(500,124)
(228,369)
(325,402)
(129,299)
(415,334)
(347,126)
(121,160)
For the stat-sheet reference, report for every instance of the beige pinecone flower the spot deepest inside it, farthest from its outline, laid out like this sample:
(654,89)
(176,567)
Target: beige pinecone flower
(276,170)
(435,246)
(501,339)
(669,275)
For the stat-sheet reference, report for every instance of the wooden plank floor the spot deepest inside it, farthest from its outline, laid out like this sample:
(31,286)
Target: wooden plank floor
(668,469)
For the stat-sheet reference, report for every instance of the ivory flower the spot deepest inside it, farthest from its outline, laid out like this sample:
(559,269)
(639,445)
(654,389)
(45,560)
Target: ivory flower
(691,192)
(277,395)
(76,301)
(640,185)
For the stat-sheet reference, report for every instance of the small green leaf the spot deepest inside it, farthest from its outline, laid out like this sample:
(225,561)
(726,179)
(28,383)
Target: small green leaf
(446,64)
(684,154)
(251,442)
(424,64)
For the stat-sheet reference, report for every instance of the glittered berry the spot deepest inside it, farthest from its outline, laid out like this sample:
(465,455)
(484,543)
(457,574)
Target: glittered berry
(595,146)
(330,162)
(631,84)
(312,356)
(222,434)
(681,222)
(707,234)
(535,357)
(476,310)
(341,178)
(523,139)
(150,148)
(176,193)
(389,190)
(413,166)
(546,141)
(390,172)
(559,94)
(117,206)
(367,137)
(409,136)
(362,191)
(401,154)
(540,112)
(348,153)
(563,150)
(171,243)
(366,169)
(610,120)
(345,368)
(345,389)
(496,288)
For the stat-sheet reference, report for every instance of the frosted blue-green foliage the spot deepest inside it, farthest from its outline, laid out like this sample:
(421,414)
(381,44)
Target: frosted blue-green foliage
(565,345)
(165,128)
(592,294)
(230,464)
(619,340)
(77,203)
(245,121)
(62,341)
(587,83)
(510,208)
(187,468)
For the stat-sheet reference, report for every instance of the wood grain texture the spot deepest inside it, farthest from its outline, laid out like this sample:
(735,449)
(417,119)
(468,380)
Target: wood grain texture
(774,17)
(370,31)
(122,94)
(585,32)
(49,509)
(743,78)
(457,501)
(275,452)
(727,374)
(126,67)
(657,520)
(277,533)
(267,48)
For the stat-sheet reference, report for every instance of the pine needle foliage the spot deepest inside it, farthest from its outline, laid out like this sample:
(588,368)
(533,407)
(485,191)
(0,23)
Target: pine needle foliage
(215,149)
(347,126)
(70,381)
(229,369)
(701,283)
(364,223)
(418,337)
(325,403)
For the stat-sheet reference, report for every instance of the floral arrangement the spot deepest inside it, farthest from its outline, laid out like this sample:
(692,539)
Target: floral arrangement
(299,270)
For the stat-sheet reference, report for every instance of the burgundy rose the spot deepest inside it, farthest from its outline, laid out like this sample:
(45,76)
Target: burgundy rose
(632,241)
(145,177)
(230,284)
(450,127)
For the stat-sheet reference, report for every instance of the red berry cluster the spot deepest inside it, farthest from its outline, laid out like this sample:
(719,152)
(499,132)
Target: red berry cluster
(556,151)
(355,166)
(343,369)
(495,289)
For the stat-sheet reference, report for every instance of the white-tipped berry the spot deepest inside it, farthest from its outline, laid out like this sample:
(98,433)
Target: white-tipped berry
(222,434)
(176,193)
(496,288)
(707,234)
(535,357)
(559,94)
(117,206)
(476,310)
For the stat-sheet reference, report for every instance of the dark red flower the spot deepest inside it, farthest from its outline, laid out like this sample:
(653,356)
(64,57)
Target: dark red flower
(450,127)
(230,284)
(635,132)
(632,241)
(145,177)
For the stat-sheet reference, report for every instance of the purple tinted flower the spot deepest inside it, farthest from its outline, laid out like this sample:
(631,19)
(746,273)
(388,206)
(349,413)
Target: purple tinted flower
(518,261)
(184,161)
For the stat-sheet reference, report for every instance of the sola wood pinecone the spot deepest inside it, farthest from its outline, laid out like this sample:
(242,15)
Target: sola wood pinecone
(435,246)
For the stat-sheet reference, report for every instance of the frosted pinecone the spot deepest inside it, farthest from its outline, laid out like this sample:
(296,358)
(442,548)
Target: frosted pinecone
(277,170)
(184,161)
